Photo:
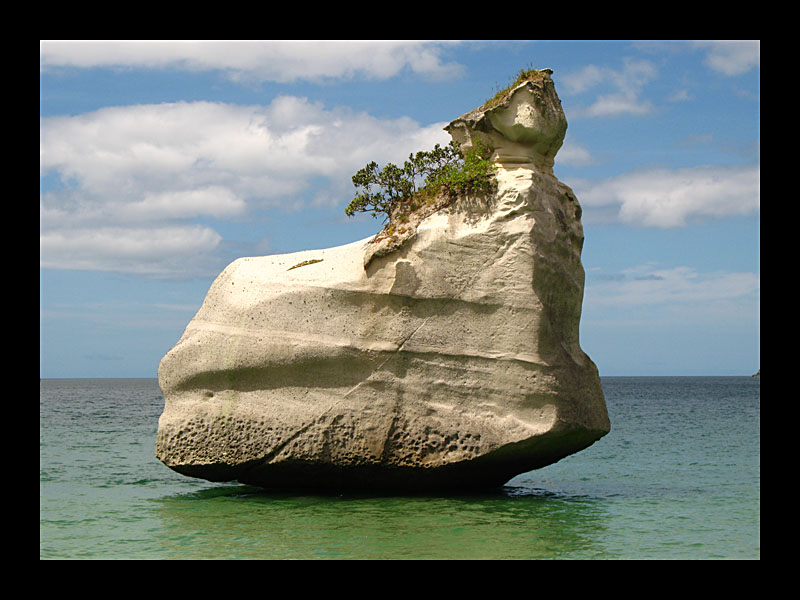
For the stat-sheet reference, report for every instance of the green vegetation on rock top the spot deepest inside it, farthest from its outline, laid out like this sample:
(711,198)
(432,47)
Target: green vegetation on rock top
(529,74)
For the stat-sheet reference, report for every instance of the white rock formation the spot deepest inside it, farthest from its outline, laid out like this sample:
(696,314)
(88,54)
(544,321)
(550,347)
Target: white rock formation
(450,362)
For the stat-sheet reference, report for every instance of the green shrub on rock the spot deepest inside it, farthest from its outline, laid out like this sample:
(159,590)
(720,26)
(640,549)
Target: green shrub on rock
(445,170)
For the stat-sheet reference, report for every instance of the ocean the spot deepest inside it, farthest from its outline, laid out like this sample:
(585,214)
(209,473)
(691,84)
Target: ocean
(677,478)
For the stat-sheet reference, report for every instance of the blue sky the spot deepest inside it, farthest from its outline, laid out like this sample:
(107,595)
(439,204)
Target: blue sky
(161,162)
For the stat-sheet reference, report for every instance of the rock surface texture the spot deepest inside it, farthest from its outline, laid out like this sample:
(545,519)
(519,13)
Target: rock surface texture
(452,361)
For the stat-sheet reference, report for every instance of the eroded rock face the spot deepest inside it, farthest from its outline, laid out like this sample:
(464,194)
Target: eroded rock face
(450,362)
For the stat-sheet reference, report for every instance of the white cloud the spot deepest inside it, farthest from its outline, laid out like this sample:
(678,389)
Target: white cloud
(622,88)
(214,201)
(153,251)
(615,105)
(664,198)
(582,80)
(280,60)
(574,155)
(130,170)
(732,58)
(212,156)
(680,96)
(649,285)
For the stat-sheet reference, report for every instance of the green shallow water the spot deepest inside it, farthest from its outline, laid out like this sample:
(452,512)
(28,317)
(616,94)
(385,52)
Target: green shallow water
(678,477)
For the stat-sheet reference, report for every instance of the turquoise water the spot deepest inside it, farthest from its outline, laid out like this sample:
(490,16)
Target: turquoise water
(678,477)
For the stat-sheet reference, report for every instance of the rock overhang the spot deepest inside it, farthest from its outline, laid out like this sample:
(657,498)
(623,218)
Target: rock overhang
(527,125)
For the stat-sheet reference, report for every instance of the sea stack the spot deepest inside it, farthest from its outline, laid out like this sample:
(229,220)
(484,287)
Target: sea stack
(445,359)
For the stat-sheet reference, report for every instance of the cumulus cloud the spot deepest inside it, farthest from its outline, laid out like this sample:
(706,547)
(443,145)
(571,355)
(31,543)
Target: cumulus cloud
(732,57)
(671,198)
(214,201)
(280,61)
(618,91)
(154,251)
(574,155)
(138,178)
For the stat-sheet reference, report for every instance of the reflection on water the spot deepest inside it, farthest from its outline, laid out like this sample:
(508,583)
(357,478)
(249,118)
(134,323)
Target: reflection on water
(514,522)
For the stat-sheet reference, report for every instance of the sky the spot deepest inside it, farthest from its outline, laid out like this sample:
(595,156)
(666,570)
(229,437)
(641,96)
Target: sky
(160,162)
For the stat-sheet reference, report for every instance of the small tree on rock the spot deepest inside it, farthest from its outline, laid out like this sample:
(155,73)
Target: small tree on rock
(443,169)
